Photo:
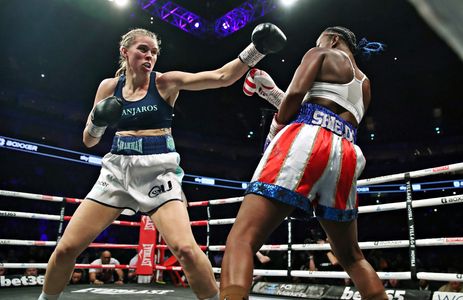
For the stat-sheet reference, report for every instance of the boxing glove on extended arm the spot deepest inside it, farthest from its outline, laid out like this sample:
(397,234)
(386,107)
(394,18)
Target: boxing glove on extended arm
(260,81)
(105,113)
(266,38)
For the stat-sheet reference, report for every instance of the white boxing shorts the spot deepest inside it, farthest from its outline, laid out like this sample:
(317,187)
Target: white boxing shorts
(313,164)
(139,174)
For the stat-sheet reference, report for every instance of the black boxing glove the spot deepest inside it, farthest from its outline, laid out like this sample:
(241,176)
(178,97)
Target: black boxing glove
(105,113)
(266,38)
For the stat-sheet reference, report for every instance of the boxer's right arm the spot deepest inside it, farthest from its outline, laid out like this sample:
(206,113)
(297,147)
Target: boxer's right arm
(302,81)
(93,132)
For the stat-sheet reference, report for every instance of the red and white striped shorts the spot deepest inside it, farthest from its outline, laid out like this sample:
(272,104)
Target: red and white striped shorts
(310,167)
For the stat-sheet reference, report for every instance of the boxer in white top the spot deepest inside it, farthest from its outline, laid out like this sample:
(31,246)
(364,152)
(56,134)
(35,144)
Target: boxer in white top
(311,163)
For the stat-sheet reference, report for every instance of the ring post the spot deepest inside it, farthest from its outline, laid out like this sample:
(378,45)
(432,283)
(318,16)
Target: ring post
(411,227)
(208,229)
(61,220)
(290,243)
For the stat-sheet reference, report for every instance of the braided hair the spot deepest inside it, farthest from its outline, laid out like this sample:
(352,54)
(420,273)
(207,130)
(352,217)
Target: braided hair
(344,33)
(365,47)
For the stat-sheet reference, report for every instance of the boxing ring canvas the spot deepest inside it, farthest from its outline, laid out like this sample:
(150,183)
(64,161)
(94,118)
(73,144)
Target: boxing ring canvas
(127,291)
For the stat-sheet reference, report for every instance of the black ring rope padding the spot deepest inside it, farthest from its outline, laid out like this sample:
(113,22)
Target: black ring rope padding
(61,220)
(411,227)
(208,228)
(290,246)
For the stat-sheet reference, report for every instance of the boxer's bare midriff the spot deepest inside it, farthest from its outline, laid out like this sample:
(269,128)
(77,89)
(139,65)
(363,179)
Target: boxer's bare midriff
(145,132)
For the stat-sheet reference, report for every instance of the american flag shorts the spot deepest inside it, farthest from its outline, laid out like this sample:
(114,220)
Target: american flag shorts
(313,168)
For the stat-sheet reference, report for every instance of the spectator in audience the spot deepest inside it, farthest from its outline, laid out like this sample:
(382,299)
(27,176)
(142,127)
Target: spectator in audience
(263,259)
(132,275)
(303,261)
(378,260)
(393,284)
(77,276)
(217,259)
(31,272)
(452,286)
(327,261)
(11,256)
(85,257)
(2,271)
(102,276)
(320,260)
(311,265)
(423,285)
(348,282)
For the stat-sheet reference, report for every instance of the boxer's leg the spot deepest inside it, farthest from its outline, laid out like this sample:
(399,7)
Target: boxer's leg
(343,239)
(256,220)
(89,220)
(173,222)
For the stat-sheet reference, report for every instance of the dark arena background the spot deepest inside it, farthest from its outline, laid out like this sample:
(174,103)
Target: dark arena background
(54,53)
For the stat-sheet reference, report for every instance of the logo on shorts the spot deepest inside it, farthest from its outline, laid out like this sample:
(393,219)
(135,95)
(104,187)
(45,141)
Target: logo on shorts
(170,143)
(159,189)
(333,124)
(102,184)
(136,146)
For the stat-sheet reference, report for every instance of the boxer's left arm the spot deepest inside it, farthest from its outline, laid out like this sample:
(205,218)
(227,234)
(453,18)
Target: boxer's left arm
(302,81)
(105,89)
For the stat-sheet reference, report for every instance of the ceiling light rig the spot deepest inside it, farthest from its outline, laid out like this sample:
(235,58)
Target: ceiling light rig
(190,22)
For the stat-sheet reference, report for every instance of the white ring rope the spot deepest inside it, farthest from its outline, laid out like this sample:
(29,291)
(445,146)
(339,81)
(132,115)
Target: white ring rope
(413,174)
(77,266)
(37,196)
(215,202)
(53,244)
(430,242)
(18,214)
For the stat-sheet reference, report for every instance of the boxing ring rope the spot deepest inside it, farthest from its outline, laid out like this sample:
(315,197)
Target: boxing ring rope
(77,266)
(53,244)
(84,266)
(443,241)
(412,174)
(17,214)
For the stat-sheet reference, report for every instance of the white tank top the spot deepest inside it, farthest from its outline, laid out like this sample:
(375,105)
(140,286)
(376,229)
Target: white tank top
(348,95)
